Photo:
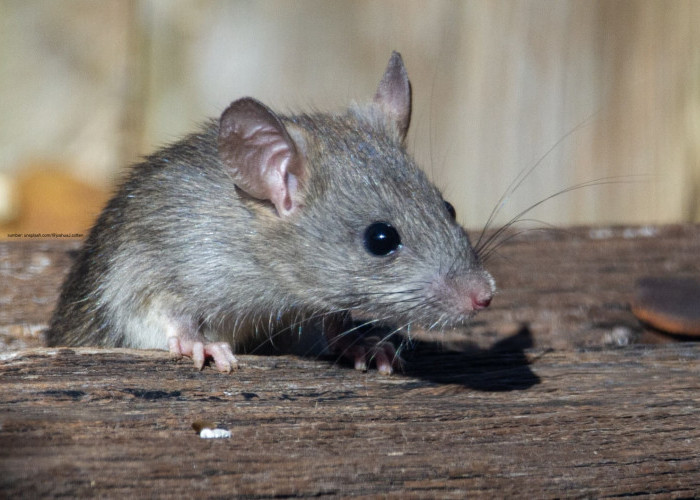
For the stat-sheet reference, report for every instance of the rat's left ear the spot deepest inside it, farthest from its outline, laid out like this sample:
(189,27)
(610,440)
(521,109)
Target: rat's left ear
(394,94)
(263,159)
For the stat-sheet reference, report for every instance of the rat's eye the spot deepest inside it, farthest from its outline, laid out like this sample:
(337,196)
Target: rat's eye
(451,210)
(381,239)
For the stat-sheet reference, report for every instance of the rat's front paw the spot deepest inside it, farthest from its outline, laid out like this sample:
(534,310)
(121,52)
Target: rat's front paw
(197,350)
(362,350)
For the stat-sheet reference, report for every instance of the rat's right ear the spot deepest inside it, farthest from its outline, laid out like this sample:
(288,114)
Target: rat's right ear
(263,159)
(394,94)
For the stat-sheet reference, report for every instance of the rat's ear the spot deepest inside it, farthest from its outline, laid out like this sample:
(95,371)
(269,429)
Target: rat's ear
(394,94)
(263,159)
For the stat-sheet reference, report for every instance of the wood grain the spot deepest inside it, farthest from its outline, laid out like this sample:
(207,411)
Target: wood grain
(576,423)
(535,400)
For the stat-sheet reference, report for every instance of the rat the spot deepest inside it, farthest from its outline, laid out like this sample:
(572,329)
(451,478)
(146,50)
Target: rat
(263,223)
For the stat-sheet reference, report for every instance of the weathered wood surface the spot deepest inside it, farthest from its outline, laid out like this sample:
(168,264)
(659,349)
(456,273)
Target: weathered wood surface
(517,407)
(574,423)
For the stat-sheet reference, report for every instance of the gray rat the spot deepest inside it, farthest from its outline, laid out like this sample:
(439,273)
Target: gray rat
(262,223)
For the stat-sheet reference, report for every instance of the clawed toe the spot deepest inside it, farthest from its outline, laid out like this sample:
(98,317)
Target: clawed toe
(220,352)
(223,356)
(383,354)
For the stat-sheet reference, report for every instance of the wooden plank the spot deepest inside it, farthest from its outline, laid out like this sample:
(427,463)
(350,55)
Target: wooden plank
(530,401)
(585,423)
(31,272)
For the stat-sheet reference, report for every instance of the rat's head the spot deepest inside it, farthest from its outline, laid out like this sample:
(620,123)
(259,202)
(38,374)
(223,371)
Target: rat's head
(356,225)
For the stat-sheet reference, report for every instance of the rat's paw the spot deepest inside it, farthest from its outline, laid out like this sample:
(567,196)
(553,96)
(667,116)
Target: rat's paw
(197,350)
(363,350)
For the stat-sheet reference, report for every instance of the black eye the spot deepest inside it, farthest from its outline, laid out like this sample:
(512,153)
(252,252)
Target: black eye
(451,210)
(381,239)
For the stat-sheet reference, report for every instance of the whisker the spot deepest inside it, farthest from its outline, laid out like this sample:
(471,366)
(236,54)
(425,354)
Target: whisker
(544,226)
(527,171)
(620,179)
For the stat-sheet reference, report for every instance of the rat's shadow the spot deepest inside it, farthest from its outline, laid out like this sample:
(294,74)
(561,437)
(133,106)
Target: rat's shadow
(502,367)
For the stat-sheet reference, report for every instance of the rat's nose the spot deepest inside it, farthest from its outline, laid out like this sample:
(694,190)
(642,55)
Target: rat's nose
(467,293)
(481,299)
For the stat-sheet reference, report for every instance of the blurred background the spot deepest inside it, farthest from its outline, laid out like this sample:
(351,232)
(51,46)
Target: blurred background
(584,90)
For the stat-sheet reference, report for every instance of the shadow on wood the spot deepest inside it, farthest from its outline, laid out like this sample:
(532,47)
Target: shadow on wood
(502,367)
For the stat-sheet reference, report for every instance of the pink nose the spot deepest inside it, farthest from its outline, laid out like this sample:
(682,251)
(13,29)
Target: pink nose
(481,300)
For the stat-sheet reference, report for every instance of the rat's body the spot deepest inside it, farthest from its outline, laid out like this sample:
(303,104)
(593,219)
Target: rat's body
(259,221)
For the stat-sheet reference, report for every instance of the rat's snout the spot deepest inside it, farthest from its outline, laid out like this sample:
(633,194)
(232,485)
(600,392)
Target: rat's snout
(477,292)
(481,299)
(463,295)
